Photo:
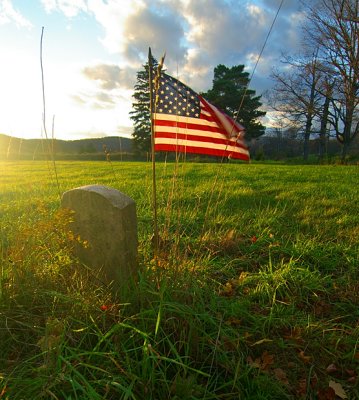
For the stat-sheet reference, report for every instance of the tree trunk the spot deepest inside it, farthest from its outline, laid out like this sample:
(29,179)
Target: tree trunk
(347,137)
(323,128)
(308,126)
(345,149)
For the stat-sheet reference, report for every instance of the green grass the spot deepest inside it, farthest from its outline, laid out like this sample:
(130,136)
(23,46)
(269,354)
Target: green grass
(253,295)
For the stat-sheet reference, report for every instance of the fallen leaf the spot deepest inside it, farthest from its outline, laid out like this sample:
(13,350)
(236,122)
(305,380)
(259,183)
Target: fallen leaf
(3,392)
(304,358)
(338,389)
(233,321)
(326,394)
(228,290)
(281,375)
(262,362)
(267,359)
(254,364)
(331,368)
(352,380)
(350,372)
(302,387)
(242,276)
(294,334)
(314,381)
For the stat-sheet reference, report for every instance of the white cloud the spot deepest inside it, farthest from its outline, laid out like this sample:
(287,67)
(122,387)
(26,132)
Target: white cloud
(110,76)
(107,75)
(70,8)
(8,14)
(112,16)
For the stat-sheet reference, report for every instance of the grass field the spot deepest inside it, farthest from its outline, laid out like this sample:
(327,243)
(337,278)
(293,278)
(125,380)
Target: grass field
(254,294)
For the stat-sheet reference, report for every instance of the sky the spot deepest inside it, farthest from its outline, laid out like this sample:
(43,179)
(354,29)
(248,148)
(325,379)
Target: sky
(92,50)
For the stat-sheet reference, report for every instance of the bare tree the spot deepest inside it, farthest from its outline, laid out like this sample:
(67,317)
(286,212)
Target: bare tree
(297,95)
(333,26)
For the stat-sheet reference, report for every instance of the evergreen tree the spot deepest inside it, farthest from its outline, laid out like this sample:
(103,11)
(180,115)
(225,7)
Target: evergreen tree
(229,87)
(140,114)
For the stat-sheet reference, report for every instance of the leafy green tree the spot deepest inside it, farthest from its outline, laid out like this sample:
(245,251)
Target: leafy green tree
(140,114)
(231,94)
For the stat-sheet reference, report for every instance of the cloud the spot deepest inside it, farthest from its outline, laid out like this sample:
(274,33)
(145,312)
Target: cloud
(99,100)
(111,76)
(70,8)
(197,35)
(162,30)
(112,16)
(107,75)
(124,130)
(287,5)
(8,14)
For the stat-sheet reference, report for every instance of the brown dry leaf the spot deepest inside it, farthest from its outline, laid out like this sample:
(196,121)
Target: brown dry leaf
(314,381)
(331,368)
(254,364)
(247,335)
(281,375)
(356,355)
(267,360)
(3,392)
(338,389)
(294,334)
(350,372)
(326,394)
(228,290)
(304,358)
(262,362)
(233,321)
(302,387)
(352,380)
(242,276)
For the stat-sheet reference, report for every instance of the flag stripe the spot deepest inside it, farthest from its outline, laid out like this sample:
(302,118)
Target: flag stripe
(173,123)
(159,117)
(231,127)
(197,132)
(220,152)
(197,138)
(183,126)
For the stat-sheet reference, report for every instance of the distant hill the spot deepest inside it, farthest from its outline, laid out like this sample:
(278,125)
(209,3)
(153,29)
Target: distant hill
(12,147)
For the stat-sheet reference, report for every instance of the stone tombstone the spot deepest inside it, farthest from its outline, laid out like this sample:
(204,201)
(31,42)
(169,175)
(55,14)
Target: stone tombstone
(106,219)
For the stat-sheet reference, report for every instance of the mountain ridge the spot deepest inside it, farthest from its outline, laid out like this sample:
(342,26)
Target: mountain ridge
(10,146)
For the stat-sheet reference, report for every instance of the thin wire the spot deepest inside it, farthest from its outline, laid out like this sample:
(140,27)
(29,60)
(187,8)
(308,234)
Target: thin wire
(259,57)
(236,117)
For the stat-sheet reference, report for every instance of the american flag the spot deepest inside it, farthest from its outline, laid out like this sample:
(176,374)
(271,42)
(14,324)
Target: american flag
(185,122)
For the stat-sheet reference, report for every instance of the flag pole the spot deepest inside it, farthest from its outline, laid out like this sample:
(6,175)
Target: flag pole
(154,188)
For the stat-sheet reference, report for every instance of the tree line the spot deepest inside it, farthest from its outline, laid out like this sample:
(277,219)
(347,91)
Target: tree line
(315,94)
(318,92)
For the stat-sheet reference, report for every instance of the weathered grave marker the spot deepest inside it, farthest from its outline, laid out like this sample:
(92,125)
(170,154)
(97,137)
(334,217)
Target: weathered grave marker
(106,219)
